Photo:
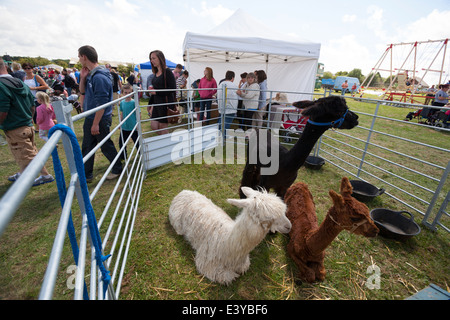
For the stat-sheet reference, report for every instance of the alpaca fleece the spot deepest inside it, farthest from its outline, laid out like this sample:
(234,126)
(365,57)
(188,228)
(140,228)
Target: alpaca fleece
(308,240)
(322,110)
(222,244)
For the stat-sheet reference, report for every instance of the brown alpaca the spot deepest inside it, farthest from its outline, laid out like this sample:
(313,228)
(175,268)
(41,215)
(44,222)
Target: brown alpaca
(308,241)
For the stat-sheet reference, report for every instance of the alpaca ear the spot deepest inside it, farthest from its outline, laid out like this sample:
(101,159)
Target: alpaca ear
(240,203)
(267,226)
(314,110)
(338,201)
(303,104)
(249,192)
(346,188)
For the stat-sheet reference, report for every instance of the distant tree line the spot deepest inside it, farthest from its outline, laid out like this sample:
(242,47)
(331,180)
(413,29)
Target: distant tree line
(38,61)
(378,80)
(65,63)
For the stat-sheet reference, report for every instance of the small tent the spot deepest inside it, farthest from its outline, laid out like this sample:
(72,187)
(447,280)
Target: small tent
(148,65)
(146,70)
(54,66)
(243,44)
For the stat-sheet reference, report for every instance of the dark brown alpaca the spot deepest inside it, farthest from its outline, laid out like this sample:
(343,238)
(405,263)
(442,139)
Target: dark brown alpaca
(322,114)
(308,241)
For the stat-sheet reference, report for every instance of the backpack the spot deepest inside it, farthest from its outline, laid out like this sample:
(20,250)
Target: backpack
(69,82)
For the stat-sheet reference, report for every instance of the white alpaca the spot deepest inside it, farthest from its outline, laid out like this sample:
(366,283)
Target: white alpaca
(223,245)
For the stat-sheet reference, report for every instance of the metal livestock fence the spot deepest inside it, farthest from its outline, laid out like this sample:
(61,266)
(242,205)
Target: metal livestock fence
(413,173)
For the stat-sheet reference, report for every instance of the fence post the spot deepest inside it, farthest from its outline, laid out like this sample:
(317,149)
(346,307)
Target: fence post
(317,147)
(63,115)
(269,109)
(436,194)
(138,120)
(366,146)
(189,106)
(223,113)
(139,125)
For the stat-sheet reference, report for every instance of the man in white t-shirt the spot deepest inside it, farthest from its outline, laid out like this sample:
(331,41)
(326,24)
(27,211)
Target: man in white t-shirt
(229,106)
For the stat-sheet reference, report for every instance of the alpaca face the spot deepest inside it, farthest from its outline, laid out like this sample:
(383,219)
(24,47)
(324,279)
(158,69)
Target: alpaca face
(329,109)
(282,225)
(350,120)
(358,217)
(265,209)
(352,214)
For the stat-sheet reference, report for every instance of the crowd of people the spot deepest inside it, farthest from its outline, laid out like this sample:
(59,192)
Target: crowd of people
(28,91)
(245,101)
(26,94)
(17,107)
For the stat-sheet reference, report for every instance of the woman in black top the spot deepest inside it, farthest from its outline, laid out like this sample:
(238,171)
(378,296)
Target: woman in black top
(161,100)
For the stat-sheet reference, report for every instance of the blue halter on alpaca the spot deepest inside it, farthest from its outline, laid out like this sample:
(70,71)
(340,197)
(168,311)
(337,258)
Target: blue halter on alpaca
(334,124)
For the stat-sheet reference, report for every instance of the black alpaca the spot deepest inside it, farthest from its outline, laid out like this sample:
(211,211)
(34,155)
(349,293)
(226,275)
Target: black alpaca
(324,113)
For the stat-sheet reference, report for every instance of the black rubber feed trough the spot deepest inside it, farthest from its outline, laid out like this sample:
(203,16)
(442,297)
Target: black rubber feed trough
(314,163)
(364,191)
(394,224)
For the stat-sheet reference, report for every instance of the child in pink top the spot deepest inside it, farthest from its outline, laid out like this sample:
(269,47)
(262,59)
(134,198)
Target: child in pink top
(44,115)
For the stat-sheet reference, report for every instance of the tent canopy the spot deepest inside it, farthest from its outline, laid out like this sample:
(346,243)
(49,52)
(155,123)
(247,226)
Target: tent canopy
(148,65)
(291,66)
(54,66)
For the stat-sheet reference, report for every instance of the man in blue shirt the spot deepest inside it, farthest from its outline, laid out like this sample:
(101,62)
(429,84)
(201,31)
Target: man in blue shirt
(96,86)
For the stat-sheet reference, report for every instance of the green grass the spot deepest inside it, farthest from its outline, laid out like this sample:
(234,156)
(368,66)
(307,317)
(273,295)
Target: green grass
(162,267)
(161,263)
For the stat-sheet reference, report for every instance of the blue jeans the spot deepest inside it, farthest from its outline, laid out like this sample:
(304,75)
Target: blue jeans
(90,141)
(125,134)
(205,105)
(228,121)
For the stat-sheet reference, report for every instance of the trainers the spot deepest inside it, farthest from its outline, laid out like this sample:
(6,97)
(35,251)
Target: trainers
(112,176)
(43,179)
(14,177)
(3,141)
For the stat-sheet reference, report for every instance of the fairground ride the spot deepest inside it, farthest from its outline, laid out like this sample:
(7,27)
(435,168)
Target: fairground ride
(409,65)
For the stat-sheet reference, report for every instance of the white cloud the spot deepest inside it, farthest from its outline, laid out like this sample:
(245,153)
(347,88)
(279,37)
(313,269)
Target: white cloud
(116,30)
(434,26)
(344,54)
(127,30)
(217,14)
(122,7)
(375,21)
(349,18)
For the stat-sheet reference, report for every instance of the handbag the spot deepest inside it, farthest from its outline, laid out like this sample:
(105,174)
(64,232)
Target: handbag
(38,85)
(174,114)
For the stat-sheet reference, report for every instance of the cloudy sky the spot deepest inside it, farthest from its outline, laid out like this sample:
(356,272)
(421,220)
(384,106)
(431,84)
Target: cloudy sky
(353,34)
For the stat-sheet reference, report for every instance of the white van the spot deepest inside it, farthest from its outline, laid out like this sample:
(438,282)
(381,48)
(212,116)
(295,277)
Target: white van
(350,80)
